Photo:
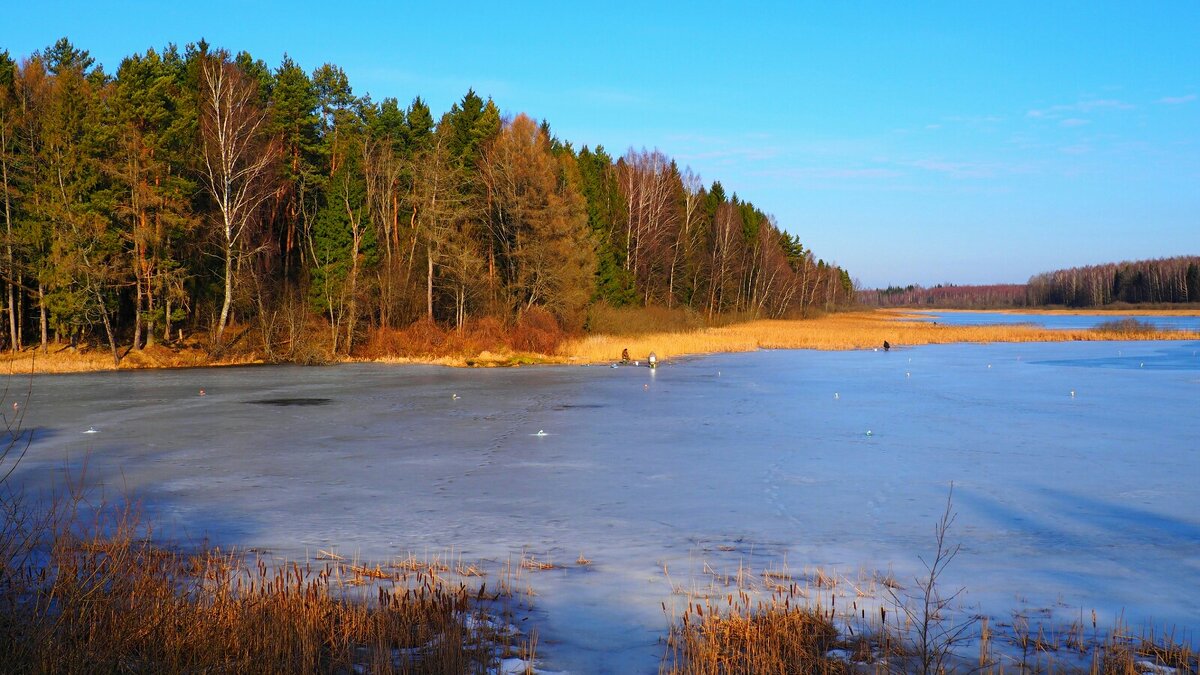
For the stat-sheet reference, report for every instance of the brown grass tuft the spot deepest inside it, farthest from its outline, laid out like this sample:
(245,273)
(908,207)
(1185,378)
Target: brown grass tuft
(735,634)
(103,598)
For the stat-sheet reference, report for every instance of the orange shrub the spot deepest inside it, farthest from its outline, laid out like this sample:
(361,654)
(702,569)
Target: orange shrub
(536,331)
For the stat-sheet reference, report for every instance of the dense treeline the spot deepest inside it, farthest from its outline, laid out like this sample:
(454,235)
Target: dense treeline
(194,191)
(948,296)
(1165,280)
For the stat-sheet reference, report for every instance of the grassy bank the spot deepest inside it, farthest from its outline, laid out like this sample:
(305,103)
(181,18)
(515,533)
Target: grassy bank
(849,330)
(667,333)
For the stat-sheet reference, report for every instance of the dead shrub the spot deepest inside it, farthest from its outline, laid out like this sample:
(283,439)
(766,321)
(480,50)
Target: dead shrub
(536,331)
(485,334)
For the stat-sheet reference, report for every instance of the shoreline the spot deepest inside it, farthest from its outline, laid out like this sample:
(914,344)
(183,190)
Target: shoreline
(1059,311)
(844,331)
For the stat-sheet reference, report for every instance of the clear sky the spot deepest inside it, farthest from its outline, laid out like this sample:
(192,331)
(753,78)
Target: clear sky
(964,142)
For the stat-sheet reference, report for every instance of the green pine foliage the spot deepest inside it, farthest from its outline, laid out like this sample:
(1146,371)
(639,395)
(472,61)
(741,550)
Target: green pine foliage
(367,216)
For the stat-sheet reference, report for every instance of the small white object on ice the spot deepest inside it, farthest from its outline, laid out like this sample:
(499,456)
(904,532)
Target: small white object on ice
(869,433)
(835,396)
(541,432)
(454,397)
(1142,364)
(989,365)
(1072,393)
(908,374)
(91,430)
(614,365)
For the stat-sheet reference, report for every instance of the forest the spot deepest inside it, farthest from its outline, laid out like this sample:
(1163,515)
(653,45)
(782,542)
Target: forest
(196,194)
(1162,280)
(1158,281)
(949,296)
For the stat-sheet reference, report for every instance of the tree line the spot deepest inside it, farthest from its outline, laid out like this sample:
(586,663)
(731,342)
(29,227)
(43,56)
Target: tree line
(1162,280)
(947,295)
(196,190)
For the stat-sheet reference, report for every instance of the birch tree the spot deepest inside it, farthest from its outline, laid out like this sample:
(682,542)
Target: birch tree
(238,158)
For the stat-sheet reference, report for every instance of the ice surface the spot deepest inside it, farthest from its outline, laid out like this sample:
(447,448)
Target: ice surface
(1065,503)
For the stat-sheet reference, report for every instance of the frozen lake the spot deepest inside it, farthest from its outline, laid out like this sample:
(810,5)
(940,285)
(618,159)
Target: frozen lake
(1057,321)
(1075,468)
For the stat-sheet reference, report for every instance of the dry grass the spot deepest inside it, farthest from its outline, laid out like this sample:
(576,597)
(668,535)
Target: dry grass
(536,339)
(736,634)
(850,330)
(65,360)
(481,342)
(778,622)
(104,598)
(606,320)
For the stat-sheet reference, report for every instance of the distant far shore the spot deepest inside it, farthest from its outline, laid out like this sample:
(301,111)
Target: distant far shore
(864,329)
(1130,310)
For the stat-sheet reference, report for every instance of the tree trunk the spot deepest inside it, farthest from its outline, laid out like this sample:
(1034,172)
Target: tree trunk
(44,321)
(9,268)
(228,290)
(108,331)
(137,310)
(429,282)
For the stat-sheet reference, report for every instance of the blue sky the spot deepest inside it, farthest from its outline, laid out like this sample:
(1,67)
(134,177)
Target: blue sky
(962,142)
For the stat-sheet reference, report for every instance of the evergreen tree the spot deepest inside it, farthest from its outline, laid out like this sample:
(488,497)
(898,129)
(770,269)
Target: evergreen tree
(605,211)
(295,121)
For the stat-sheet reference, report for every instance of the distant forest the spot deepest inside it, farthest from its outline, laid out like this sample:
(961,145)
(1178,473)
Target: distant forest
(202,193)
(1159,281)
(947,295)
(1165,280)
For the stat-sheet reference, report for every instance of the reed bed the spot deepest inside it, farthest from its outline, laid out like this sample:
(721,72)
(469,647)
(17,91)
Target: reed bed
(738,634)
(105,598)
(816,621)
(851,330)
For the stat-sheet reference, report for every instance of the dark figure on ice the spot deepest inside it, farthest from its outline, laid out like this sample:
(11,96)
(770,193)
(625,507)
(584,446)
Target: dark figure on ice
(624,356)
(886,346)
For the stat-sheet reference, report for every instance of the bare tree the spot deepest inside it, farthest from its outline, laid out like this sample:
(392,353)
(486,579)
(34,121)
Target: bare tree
(651,186)
(438,202)
(239,155)
(927,609)
(693,191)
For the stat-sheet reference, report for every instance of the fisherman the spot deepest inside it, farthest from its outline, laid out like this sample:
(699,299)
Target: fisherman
(886,346)
(653,360)
(625,355)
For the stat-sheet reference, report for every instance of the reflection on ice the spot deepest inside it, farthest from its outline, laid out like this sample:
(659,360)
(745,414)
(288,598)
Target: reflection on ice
(1065,503)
